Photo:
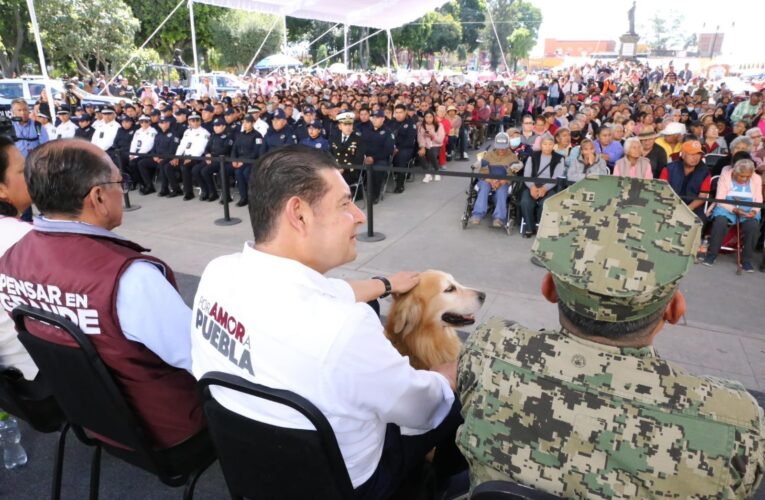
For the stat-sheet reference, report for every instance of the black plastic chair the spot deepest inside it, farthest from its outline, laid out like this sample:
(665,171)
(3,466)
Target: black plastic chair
(93,405)
(507,490)
(264,461)
(42,413)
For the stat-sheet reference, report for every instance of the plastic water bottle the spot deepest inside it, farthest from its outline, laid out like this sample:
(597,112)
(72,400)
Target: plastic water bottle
(10,440)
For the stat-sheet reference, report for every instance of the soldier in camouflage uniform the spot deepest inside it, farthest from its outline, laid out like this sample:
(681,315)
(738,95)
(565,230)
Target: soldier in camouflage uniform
(591,410)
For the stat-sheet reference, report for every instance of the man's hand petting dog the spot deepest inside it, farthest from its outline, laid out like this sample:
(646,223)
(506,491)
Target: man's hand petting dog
(448,370)
(403,281)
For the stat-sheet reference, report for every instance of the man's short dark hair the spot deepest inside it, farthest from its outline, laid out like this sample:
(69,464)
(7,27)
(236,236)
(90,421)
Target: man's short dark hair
(60,174)
(278,176)
(5,144)
(611,330)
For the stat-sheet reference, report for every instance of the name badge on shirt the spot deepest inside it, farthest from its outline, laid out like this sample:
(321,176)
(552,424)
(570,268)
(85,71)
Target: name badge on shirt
(101,135)
(138,144)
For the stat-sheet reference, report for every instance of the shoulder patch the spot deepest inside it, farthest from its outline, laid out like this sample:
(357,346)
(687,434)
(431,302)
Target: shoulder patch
(406,125)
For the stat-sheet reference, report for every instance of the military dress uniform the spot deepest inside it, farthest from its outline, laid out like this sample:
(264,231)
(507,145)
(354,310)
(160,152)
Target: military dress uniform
(378,144)
(578,418)
(193,143)
(349,153)
(405,142)
(165,143)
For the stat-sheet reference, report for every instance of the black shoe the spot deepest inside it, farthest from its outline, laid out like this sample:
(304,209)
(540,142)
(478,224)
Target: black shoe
(399,189)
(376,201)
(187,197)
(173,194)
(212,197)
(528,234)
(242,203)
(762,267)
(148,191)
(163,193)
(203,197)
(230,199)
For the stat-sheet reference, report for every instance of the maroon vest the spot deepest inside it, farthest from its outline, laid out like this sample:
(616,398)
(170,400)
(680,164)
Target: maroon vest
(76,276)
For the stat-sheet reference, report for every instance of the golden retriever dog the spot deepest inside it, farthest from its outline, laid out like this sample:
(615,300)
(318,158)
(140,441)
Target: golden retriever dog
(421,322)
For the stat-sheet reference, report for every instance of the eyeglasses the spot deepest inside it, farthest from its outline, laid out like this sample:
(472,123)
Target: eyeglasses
(528,123)
(124,183)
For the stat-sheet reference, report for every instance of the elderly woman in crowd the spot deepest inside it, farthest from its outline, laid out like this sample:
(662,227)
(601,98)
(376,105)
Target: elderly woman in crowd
(633,163)
(758,153)
(740,183)
(546,164)
(563,142)
(738,146)
(14,199)
(585,161)
(712,142)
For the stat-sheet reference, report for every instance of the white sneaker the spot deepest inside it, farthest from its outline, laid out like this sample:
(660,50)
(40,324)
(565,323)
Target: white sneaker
(437,178)
(427,178)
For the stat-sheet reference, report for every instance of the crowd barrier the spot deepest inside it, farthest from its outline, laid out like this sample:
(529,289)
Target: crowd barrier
(370,235)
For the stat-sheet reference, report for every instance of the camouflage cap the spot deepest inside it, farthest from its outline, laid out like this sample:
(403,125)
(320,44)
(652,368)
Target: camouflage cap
(617,246)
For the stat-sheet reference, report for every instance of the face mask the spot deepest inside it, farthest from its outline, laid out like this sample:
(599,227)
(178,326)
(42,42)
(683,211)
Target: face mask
(515,142)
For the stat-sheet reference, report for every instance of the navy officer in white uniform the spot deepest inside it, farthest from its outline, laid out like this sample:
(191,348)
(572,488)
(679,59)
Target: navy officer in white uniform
(282,323)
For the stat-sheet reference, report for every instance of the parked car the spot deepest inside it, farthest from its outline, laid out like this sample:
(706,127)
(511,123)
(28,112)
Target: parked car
(223,82)
(31,87)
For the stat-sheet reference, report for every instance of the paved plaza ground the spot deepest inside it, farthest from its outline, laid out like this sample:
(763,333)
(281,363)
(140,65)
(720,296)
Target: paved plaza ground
(723,333)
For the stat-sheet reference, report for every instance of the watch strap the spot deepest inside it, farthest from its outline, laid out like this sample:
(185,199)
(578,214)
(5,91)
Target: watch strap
(385,281)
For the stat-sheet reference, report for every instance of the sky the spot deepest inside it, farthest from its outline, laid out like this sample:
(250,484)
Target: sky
(599,19)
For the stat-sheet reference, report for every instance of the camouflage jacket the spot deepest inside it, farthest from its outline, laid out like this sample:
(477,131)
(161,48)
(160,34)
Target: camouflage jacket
(580,419)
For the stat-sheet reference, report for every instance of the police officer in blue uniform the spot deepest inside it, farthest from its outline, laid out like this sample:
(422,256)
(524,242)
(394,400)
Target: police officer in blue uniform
(233,126)
(181,122)
(315,139)
(219,144)
(165,143)
(122,145)
(378,144)
(301,128)
(248,145)
(279,133)
(405,132)
(363,124)
(85,130)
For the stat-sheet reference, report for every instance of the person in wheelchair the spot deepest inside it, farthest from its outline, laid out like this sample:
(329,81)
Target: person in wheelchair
(499,161)
(742,184)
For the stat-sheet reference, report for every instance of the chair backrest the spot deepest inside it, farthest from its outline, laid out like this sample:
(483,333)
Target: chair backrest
(508,490)
(84,387)
(266,461)
(42,413)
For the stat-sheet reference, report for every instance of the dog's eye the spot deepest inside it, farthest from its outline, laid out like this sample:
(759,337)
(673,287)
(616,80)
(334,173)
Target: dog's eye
(451,289)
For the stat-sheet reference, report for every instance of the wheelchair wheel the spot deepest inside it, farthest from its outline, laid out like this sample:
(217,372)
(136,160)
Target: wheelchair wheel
(470,202)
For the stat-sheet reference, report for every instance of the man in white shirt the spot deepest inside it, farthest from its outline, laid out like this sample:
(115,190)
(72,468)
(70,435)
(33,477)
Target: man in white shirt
(142,143)
(283,324)
(65,129)
(105,134)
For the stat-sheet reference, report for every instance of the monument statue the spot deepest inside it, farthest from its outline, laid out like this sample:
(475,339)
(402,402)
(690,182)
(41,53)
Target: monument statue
(631,15)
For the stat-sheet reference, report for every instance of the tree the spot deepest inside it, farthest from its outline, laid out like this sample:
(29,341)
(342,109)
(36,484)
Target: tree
(666,32)
(519,44)
(13,26)
(241,33)
(446,33)
(472,15)
(176,33)
(96,35)
(510,15)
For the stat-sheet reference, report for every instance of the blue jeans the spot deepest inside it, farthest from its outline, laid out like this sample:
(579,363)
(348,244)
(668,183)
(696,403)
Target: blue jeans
(482,201)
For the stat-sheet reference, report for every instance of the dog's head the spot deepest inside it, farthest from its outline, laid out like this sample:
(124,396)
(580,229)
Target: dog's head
(438,298)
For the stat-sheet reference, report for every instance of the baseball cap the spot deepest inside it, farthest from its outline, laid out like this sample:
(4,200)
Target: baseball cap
(674,128)
(315,124)
(249,118)
(279,114)
(165,119)
(378,114)
(617,246)
(218,121)
(309,109)
(229,111)
(692,147)
(501,141)
(209,108)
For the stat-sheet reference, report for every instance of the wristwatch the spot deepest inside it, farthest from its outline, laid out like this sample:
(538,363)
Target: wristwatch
(386,283)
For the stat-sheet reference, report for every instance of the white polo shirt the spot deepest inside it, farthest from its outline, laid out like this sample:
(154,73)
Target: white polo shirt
(278,323)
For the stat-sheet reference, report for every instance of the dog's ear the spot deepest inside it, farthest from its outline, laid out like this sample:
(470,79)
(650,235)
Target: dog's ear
(407,312)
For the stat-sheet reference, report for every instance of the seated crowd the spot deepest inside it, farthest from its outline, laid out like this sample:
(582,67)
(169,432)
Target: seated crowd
(586,410)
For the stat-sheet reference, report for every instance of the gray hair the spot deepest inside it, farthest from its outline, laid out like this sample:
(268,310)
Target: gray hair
(742,139)
(629,142)
(19,100)
(546,137)
(61,173)
(752,131)
(744,165)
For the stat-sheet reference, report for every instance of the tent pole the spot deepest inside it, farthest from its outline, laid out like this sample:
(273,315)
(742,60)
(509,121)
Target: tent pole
(339,51)
(284,43)
(387,59)
(345,45)
(261,46)
(143,45)
(499,42)
(41,57)
(193,36)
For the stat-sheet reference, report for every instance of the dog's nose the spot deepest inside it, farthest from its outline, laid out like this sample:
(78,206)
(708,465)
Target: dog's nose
(481,297)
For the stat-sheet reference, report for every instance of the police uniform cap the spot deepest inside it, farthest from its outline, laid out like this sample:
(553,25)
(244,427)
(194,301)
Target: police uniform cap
(315,124)
(194,116)
(229,112)
(249,119)
(107,110)
(309,109)
(378,114)
(617,246)
(279,114)
(85,117)
(144,118)
(43,115)
(209,108)
(62,112)
(218,121)
(346,117)
(165,119)
(156,112)
(89,105)
(180,112)
(253,109)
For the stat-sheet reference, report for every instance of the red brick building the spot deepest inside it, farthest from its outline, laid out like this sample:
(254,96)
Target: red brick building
(577,48)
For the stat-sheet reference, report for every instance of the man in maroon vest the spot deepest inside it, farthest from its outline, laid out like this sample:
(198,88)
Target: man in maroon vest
(71,264)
